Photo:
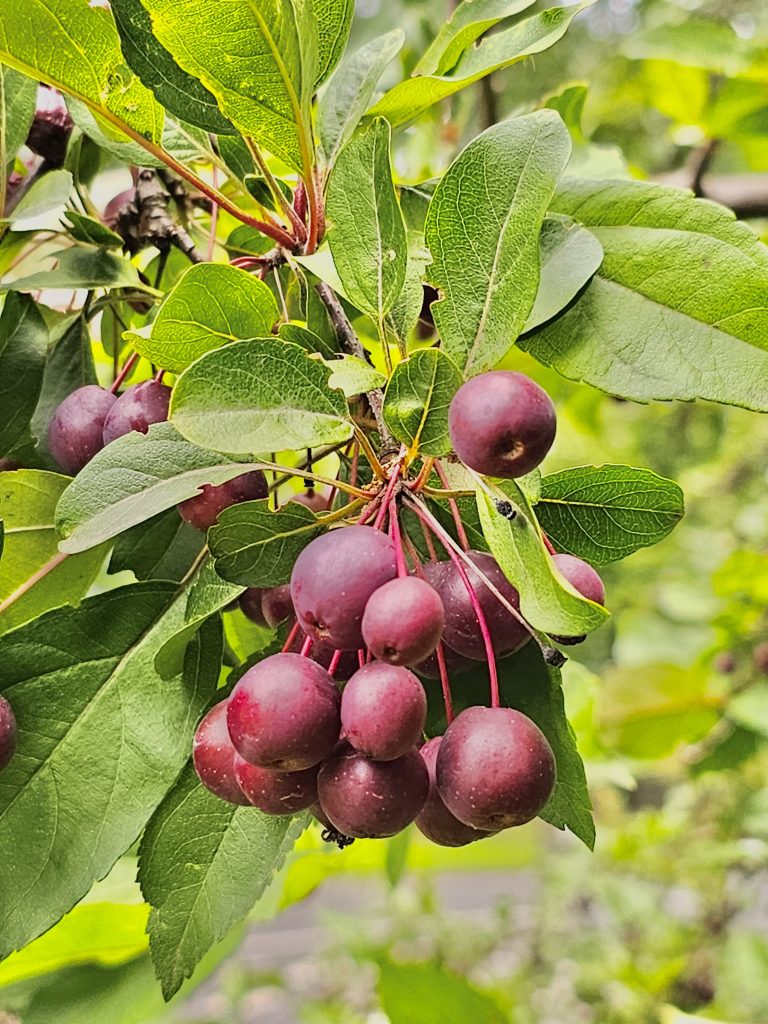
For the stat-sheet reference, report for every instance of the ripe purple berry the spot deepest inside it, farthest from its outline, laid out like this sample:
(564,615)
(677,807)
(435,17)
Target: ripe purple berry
(434,820)
(403,621)
(76,430)
(136,409)
(583,578)
(501,423)
(276,605)
(7,732)
(250,602)
(213,756)
(276,792)
(383,710)
(495,768)
(202,510)
(284,713)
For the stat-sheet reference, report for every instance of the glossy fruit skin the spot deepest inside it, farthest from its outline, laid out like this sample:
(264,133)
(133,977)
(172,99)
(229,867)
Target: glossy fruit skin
(368,799)
(383,710)
(213,756)
(434,820)
(403,621)
(333,578)
(501,423)
(202,510)
(137,408)
(76,430)
(250,602)
(462,632)
(276,605)
(312,499)
(495,768)
(583,577)
(276,792)
(7,733)
(284,713)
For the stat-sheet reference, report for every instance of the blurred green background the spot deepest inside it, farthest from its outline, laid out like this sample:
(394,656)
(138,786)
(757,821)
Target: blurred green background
(667,922)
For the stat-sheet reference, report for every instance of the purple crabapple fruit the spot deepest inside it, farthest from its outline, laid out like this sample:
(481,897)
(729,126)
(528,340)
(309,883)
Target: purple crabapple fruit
(403,621)
(136,409)
(383,710)
(203,509)
(250,602)
(368,799)
(583,578)
(434,820)
(333,578)
(276,792)
(276,605)
(462,632)
(495,768)
(76,430)
(501,423)
(213,756)
(284,713)
(7,732)
(314,500)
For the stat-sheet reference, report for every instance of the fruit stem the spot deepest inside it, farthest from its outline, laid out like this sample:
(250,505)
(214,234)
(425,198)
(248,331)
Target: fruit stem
(128,365)
(370,454)
(445,682)
(394,526)
(306,647)
(388,493)
(159,376)
(27,585)
(423,476)
(334,663)
(548,543)
(361,657)
(461,532)
(292,633)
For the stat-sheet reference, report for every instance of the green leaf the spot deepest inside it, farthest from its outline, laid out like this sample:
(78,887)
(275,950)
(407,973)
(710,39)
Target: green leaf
(91,231)
(423,993)
(547,601)
(678,308)
(89,706)
(353,376)
(491,203)
(164,548)
(28,500)
(212,304)
(412,97)
(203,863)
(256,547)
(367,238)
(79,267)
(467,23)
(417,399)
(309,341)
(133,479)
(258,396)
(264,83)
(569,256)
(180,93)
(350,91)
(47,41)
(23,348)
(405,313)
(18,95)
(604,513)
(333,20)
(45,194)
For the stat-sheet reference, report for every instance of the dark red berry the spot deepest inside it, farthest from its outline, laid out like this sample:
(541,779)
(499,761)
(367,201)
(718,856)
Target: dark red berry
(137,408)
(369,799)
(495,768)
(202,510)
(455,664)
(76,430)
(213,756)
(434,820)
(403,621)
(276,792)
(276,605)
(312,499)
(7,732)
(284,713)
(501,423)
(250,602)
(51,127)
(383,710)
(583,578)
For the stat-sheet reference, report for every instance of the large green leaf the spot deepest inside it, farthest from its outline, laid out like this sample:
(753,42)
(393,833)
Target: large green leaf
(603,513)
(547,601)
(203,863)
(46,193)
(491,203)
(367,237)
(28,500)
(23,348)
(258,59)
(133,479)
(569,255)
(17,108)
(334,20)
(212,304)
(678,309)
(467,23)
(180,93)
(350,90)
(412,97)
(256,547)
(90,709)
(259,396)
(75,47)
(163,548)
(417,400)
(353,376)
(79,267)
